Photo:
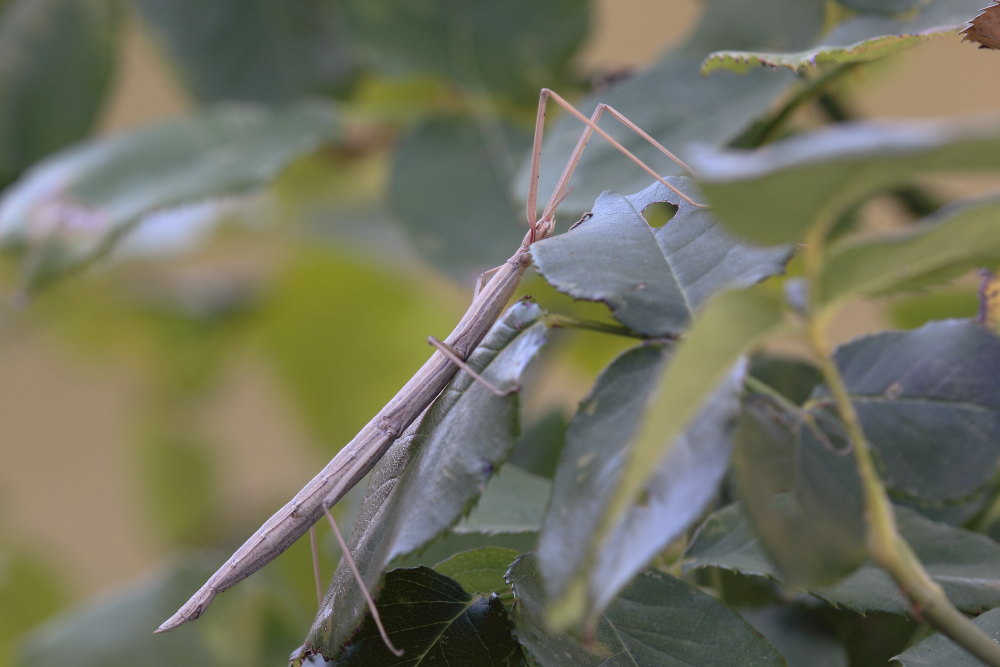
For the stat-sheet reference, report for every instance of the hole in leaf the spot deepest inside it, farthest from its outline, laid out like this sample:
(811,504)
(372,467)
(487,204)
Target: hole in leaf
(659,213)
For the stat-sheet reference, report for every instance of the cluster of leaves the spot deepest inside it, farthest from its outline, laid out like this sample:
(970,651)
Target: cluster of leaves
(699,500)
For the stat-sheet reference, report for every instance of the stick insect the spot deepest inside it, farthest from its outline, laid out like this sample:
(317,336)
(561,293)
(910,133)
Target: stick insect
(360,455)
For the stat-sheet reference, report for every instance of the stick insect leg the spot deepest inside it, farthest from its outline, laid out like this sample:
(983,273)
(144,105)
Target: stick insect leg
(562,186)
(315,557)
(484,278)
(346,554)
(456,359)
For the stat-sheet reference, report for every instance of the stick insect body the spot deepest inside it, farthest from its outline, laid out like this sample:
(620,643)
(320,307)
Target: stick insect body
(360,455)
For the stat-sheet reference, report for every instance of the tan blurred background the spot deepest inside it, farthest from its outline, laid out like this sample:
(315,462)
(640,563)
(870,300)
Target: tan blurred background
(66,499)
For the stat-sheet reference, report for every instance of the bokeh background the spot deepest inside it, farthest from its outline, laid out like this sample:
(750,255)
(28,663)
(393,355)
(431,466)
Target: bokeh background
(176,396)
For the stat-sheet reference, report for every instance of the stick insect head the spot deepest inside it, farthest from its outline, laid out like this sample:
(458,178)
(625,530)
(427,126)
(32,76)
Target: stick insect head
(546,224)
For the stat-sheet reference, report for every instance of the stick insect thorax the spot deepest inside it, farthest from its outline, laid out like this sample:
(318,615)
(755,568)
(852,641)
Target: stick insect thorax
(361,454)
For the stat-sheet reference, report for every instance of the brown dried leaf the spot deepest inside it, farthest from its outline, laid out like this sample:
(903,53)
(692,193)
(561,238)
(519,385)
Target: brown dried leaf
(985,28)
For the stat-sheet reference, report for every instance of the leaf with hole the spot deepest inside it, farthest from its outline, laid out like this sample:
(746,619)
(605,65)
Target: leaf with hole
(673,269)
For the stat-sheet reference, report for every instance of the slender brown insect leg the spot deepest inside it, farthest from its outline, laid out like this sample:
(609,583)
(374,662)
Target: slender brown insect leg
(456,359)
(592,126)
(349,559)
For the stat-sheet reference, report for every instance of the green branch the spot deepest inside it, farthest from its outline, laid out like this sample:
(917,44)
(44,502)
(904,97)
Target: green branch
(766,130)
(886,546)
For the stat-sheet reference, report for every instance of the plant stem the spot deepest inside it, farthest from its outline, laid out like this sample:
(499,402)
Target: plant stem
(567,322)
(886,546)
(766,130)
(756,385)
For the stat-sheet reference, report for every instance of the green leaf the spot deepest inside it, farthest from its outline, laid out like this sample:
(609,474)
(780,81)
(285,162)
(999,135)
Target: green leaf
(727,540)
(942,304)
(433,621)
(435,472)
(178,482)
(955,512)
(678,106)
(512,48)
(928,405)
(938,650)
(31,588)
(73,206)
(801,638)
(801,490)
(954,240)
(118,630)
(965,564)
(266,51)
(338,374)
(672,270)
(793,378)
(460,212)
(58,63)
(451,543)
(731,323)
(583,570)
(861,38)
(779,193)
(882,6)
(656,620)
(929,402)
(481,570)
(514,502)
(540,446)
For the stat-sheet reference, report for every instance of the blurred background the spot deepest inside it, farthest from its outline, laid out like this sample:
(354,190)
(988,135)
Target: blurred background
(173,395)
